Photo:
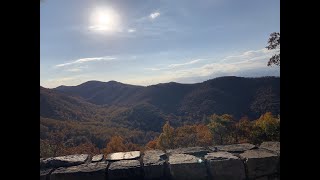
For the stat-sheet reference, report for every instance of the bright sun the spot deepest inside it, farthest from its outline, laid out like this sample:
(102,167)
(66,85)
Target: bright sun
(104,20)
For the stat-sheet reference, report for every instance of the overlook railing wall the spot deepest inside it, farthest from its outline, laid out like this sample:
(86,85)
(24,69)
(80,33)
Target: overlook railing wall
(228,162)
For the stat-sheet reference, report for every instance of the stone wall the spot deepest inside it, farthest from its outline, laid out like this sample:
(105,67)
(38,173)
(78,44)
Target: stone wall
(228,162)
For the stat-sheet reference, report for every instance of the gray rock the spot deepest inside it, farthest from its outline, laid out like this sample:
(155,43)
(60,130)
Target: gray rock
(64,161)
(90,171)
(234,148)
(225,166)
(271,146)
(97,158)
(44,173)
(125,169)
(123,156)
(260,162)
(185,166)
(195,151)
(153,164)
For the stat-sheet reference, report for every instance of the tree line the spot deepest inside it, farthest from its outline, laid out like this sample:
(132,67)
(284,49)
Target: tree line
(214,130)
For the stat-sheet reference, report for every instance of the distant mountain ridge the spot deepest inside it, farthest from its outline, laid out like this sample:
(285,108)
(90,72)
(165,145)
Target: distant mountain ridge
(100,93)
(229,94)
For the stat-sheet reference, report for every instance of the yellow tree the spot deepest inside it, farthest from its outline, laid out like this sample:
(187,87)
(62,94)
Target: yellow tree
(166,138)
(266,128)
(220,127)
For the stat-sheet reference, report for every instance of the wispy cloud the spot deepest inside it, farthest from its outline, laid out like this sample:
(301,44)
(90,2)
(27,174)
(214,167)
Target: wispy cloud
(131,30)
(183,64)
(74,70)
(248,55)
(154,69)
(172,66)
(85,60)
(249,62)
(154,15)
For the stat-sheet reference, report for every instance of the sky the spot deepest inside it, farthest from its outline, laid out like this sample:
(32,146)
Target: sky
(145,42)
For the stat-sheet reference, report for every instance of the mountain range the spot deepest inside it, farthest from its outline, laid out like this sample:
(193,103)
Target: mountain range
(146,108)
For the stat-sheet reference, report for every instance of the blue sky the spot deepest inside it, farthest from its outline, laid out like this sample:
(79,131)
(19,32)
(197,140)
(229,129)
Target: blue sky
(146,42)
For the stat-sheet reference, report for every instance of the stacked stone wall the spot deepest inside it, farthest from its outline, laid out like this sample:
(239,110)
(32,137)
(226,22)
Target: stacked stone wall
(228,162)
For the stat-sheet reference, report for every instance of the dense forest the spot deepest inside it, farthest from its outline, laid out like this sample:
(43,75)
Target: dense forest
(110,116)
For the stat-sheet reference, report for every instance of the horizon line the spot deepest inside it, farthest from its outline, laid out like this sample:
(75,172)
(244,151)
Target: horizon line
(158,83)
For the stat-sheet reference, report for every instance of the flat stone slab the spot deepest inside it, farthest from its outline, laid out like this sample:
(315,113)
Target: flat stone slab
(195,151)
(271,146)
(97,158)
(123,156)
(234,148)
(125,169)
(153,164)
(90,171)
(154,157)
(260,162)
(185,166)
(64,161)
(225,166)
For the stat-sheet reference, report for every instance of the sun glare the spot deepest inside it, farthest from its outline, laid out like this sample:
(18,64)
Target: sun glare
(104,20)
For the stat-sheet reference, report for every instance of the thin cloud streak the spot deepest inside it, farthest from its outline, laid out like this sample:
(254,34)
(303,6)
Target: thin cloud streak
(171,66)
(85,60)
(183,64)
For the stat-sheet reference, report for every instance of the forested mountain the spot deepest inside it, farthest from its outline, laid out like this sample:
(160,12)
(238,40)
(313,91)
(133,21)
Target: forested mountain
(103,93)
(61,106)
(232,95)
(94,112)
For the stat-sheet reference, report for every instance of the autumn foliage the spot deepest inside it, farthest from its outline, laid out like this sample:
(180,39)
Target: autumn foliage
(216,130)
(184,136)
(220,129)
(119,144)
(86,148)
(153,144)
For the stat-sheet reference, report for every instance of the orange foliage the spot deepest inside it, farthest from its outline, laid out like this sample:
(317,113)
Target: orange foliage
(85,148)
(118,144)
(152,144)
(193,135)
(184,136)
(204,136)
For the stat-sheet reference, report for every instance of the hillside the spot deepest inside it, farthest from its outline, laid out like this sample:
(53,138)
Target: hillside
(232,95)
(61,106)
(102,93)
